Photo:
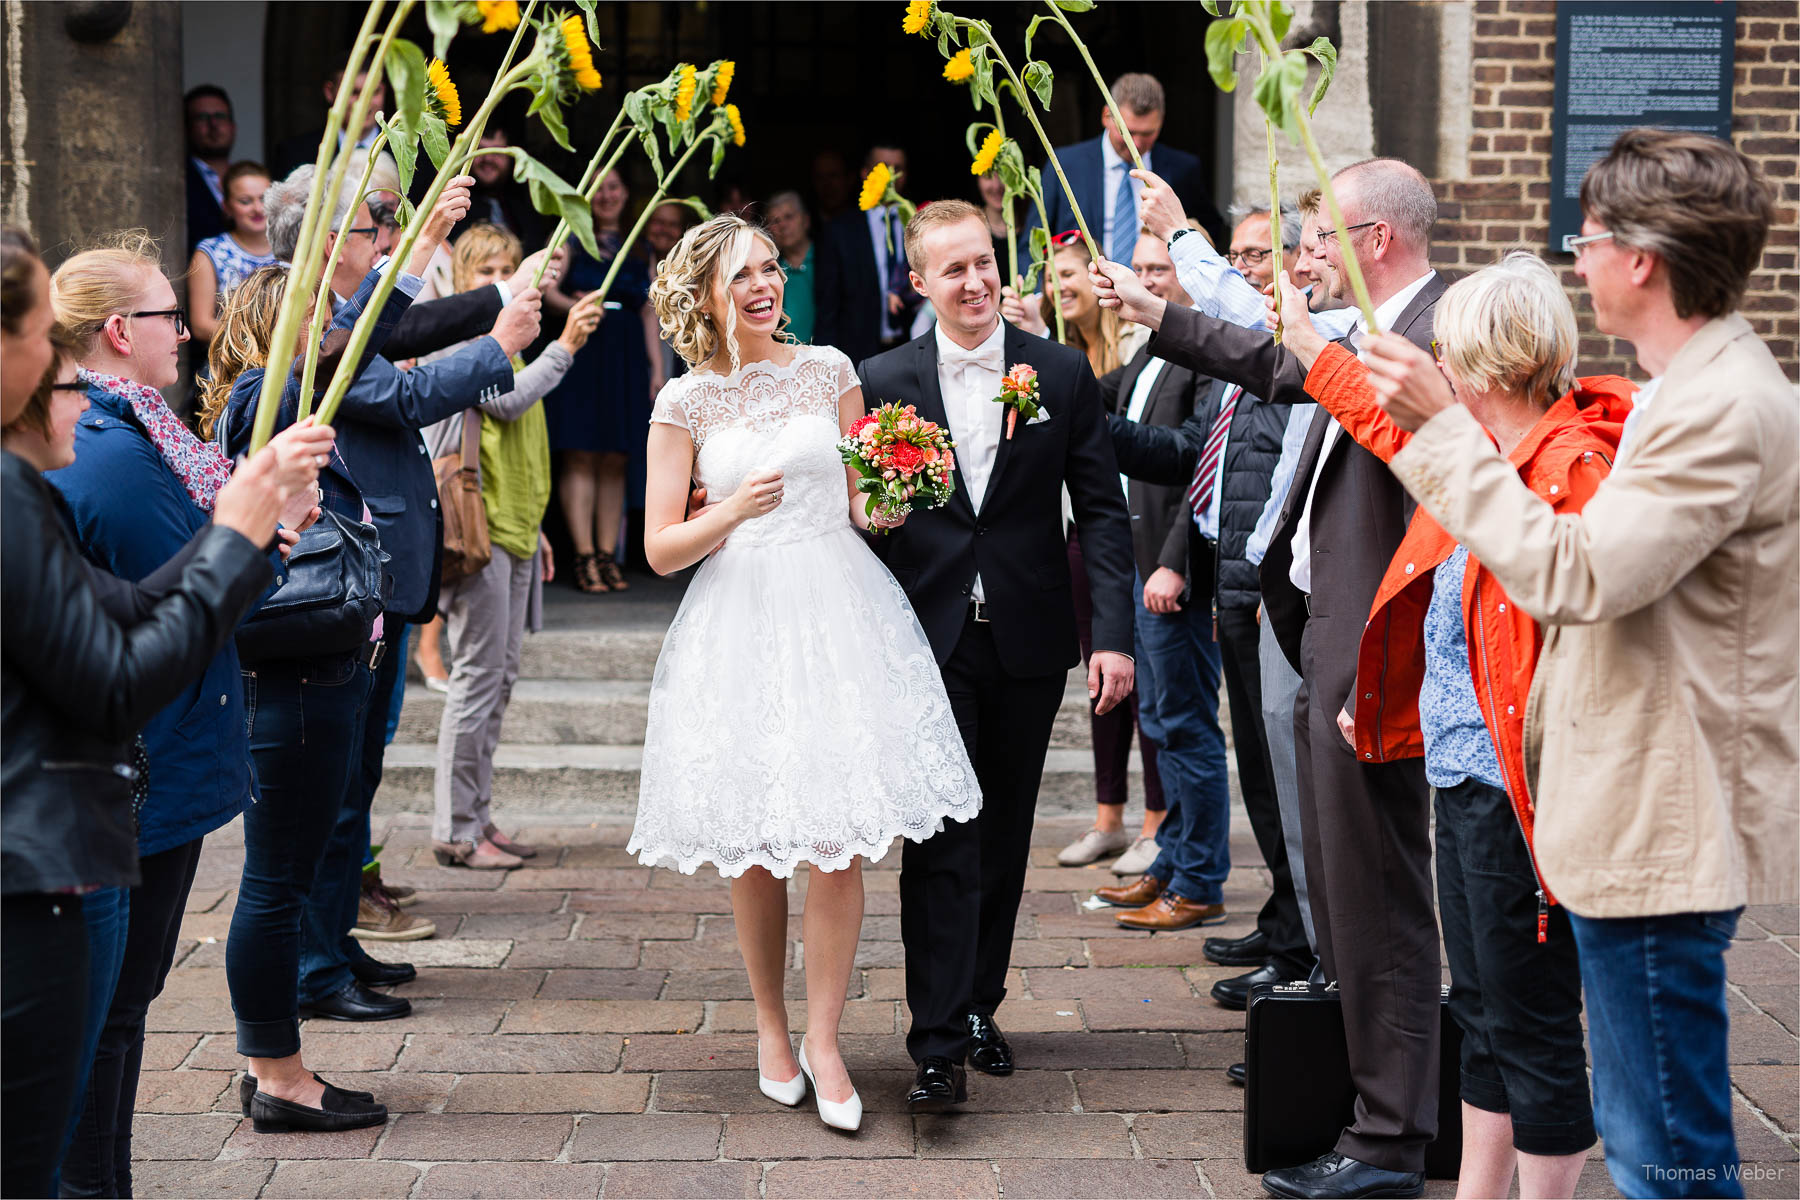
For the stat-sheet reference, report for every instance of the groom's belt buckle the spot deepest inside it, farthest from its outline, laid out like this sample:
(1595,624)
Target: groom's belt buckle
(978,612)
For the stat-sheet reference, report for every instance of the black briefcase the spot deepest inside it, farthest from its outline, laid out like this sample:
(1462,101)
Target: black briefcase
(1298,1096)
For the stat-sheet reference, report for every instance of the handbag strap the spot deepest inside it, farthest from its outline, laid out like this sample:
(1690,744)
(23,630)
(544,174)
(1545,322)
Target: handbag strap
(471,439)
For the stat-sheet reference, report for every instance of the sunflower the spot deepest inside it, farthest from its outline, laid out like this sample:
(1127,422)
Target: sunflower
(990,150)
(498,14)
(442,95)
(684,93)
(918,16)
(959,69)
(722,81)
(876,186)
(737,124)
(581,53)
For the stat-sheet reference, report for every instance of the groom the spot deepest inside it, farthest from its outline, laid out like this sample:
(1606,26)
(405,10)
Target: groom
(988,576)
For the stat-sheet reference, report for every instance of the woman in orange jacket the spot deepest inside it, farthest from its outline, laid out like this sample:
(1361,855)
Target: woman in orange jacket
(1443,671)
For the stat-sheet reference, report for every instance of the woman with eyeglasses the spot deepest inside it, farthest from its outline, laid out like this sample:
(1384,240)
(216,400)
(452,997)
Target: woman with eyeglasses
(142,485)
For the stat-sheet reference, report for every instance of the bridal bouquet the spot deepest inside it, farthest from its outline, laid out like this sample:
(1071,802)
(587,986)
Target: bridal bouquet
(905,461)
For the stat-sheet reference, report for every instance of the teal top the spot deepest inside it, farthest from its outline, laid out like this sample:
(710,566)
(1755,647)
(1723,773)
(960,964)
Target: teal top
(797,302)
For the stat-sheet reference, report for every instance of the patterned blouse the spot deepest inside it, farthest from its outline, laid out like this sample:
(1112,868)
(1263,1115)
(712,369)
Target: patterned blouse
(231,263)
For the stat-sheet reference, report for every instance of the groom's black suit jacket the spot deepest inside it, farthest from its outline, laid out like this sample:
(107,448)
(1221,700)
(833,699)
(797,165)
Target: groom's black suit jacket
(1016,541)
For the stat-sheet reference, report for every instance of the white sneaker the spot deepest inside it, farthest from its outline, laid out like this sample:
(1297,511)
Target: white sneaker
(846,1115)
(1092,846)
(1138,858)
(790,1093)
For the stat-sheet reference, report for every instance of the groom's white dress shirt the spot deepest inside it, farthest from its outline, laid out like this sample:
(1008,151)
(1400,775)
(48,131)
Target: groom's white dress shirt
(970,379)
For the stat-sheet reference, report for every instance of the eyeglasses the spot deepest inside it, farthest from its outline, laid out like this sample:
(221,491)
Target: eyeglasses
(174,314)
(74,385)
(211,118)
(1067,237)
(371,230)
(1247,258)
(1331,231)
(1575,245)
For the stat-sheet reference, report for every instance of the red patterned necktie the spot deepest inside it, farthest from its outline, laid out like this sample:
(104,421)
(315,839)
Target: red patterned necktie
(1200,492)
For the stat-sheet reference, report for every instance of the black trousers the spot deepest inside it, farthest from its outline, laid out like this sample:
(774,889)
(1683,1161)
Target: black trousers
(960,889)
(1239,640)
(43,1007)
(150,940)
(1367,833)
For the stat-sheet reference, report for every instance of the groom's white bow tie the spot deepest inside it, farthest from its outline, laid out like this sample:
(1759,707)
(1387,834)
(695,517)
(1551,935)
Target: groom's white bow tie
(988,356)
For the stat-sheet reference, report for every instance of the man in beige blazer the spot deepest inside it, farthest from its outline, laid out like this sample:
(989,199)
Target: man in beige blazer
(1661,729)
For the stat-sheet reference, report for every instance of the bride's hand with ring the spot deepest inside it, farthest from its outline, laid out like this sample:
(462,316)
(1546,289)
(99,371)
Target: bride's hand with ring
(758,496)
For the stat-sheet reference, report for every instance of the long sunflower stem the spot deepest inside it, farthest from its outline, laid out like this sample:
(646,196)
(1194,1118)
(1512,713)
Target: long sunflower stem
(1111,104)
(1274,222)
(1012,231)
(662,192)
(320,297)
(1049,268)
(596,171)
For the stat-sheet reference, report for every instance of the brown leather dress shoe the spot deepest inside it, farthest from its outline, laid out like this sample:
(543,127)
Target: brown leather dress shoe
(1170,912)
(1135,894)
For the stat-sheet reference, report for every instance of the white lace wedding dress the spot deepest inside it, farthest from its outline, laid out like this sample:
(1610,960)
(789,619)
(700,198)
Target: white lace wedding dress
(797,713)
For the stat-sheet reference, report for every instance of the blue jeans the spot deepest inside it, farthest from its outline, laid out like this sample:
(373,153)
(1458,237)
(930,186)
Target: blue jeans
(305,722)
(1178,709)
(108,915)
(1658,1025)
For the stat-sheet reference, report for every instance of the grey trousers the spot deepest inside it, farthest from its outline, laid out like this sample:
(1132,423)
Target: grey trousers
(1280,686)
(484,625)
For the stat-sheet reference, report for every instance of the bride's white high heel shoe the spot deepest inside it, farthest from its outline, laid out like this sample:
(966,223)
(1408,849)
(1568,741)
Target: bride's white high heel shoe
(789,1093)
(846,1115)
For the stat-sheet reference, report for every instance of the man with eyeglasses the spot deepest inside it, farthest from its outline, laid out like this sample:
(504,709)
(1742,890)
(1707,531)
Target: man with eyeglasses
(211,131)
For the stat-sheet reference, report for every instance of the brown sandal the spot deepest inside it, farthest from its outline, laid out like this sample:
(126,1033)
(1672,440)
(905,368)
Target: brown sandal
(587,574)
(611,576)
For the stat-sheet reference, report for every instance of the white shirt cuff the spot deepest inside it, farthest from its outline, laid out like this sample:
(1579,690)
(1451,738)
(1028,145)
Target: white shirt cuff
(506,296)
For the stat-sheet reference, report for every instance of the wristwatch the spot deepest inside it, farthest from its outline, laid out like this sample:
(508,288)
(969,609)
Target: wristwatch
(1178,235)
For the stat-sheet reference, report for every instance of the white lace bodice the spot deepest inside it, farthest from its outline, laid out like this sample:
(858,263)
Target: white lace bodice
(762,416)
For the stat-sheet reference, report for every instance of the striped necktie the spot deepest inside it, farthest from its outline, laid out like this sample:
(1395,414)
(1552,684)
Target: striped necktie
(1206,474)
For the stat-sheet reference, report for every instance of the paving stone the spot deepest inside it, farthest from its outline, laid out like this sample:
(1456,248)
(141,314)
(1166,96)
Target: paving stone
(1037,1016)
(581,983)
(1191,1134)
(447,1181)
(712,1091)
(487,1137)
(434,1015)
(1760,1040)
(593,855)
(651,900)
(675,925)
(1193,1013)
(571,1093)
(658,1137)
(870,955)
(889,983)
(1049,952)
(1157,1091)
(522,1053)
(603,952)
(880,1179)
(541,927)
(603,1016)
(245,1142)
(459,903)
(1068,879)
(1133,949)
(199,1135)
(1772,1089)
(352,1177)
(731,983)
(1007,1135)
(450,952)
(1121,1051)
(1117,983)
(474,983)
(355,1048)
(1779,1000)
(690,1052)
(190,1014)
(803,1135)
(180,1091)
(702,955)
(1757,1142)
(860,1016)
(1227,1177)
(433,879)
(195,982)
(683,1181)
(1213,1051)
(194,1180)
(1763,962)
(1780,919)
(201,900)
(610,879)
(1054,1179)
(166,1051)
(203,925)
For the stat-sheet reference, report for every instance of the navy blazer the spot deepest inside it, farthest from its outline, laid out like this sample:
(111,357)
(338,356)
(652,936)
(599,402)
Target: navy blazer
(384,460)
(1085,166)
(204,216)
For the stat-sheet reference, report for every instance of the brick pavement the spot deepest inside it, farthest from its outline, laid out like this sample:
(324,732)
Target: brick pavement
(582,1028)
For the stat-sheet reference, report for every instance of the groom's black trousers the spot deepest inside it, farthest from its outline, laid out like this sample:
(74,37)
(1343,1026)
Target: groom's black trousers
(960,889)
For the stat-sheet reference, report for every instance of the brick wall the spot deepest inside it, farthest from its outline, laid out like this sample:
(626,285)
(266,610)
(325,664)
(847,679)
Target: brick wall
(1505,201)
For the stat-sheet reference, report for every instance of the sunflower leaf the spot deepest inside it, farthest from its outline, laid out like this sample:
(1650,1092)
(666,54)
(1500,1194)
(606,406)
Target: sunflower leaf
(1222,41)
(444,21)
(404,146)
(554,196)
(1031,30)
(405,64)
(435,137)
(1211,6)
(1278,91)
(647,136)
(1074,5)
(718,158)
(1040,79)
(976,132)
(587,8)
(1280,18)
(551,115)
(1326,54)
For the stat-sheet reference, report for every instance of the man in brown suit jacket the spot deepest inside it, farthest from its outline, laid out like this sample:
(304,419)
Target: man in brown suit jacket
(1366,825)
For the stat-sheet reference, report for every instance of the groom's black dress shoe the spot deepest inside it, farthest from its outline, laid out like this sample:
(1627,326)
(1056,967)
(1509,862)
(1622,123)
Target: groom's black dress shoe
(939,1086)
(1251,950)
(1235,992)
(1335,1175)
(355,1002)
(988,1051)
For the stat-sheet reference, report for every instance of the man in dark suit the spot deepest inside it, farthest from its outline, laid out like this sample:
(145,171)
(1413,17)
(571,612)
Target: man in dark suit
(1098,172)
(988,577)
(864,301)
(302,148)
(211,132)
(1366,825)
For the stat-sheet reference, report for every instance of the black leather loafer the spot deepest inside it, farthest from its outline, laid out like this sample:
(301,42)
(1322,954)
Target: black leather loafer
(374,973)
(939,1086)
(1235,992)
(1237,1074)
(247,1089)
(1334,1175)
(337,1110)
(989,1052)
(1251,950)
(354,1002)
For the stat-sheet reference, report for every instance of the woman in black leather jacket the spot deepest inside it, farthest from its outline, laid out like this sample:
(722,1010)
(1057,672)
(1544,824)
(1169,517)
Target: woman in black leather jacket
(85,660)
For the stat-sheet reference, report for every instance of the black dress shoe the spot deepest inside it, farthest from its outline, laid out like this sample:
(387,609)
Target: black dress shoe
(1237,1074)
(354,1002)
(247,1089)
(1335,1175)
(375,973)
(1251,950)
(1235,992)
(988,1050)
(337,1110)
(939,1086)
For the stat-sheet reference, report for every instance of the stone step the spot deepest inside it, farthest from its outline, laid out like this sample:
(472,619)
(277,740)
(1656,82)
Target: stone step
(587,654)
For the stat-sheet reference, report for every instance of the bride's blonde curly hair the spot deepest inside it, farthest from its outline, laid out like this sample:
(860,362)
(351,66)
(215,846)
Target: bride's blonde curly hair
(698,272)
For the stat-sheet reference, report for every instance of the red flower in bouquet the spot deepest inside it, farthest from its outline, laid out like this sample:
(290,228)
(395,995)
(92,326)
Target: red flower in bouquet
(906,458)
(1019,392)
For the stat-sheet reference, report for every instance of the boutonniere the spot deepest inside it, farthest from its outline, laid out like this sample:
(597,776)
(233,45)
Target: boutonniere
(1019,392)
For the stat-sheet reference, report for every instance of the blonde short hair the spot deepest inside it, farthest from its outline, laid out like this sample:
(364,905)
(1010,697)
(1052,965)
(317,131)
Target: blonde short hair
(103,282)
(1510,327)
(696,272)
(478,244)
(936,215)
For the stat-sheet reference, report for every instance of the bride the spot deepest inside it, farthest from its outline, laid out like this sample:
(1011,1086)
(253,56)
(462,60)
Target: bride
(797,713)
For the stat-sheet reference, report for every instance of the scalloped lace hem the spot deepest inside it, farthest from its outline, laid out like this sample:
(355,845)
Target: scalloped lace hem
(783,868)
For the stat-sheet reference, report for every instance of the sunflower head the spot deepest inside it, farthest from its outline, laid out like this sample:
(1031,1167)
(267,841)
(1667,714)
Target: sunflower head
(498,14)
(737,124)
(685,88)
(440,93)
(959,69)
(876,186)
(722,82)
(580,51)
(990,150)
(918,16)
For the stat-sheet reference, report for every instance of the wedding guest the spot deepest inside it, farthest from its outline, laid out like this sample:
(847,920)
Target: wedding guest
(498,198)
(486,614)
(833,188)
(89,660)
(303,149)
(1656,820)
(664,227)
(865,303)
(225,260)
(211,132)
(596,415)
(992,194)
(786,220)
